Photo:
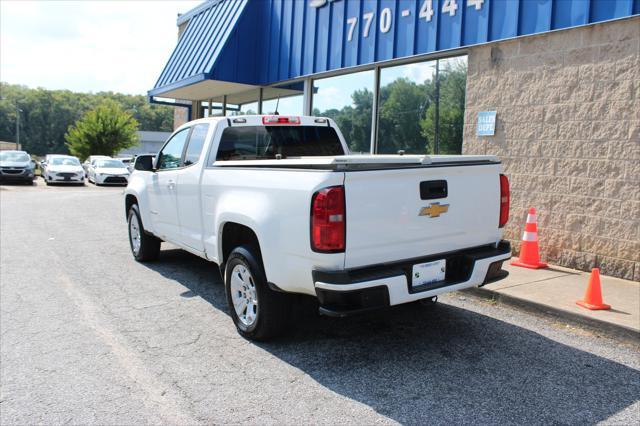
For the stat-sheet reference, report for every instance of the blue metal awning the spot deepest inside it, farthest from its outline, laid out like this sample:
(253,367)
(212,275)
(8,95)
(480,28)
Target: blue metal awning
(232,46)
(199,47)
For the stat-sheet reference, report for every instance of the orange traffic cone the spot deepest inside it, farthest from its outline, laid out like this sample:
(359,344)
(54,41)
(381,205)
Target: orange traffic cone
(593,296)
(529,254)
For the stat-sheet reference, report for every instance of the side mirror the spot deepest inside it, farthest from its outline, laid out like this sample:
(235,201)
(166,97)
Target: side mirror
(144,163)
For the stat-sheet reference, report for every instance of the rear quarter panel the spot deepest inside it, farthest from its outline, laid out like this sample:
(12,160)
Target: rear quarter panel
(275,204)
(137,186)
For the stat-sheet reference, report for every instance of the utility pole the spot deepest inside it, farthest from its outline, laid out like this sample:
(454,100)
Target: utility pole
(18,111)
(437,124)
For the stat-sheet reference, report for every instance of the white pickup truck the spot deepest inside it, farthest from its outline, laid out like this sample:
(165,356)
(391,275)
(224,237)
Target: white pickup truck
(280,205)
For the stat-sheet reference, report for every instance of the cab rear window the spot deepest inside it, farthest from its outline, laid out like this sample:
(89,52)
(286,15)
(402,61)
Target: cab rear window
(265,142)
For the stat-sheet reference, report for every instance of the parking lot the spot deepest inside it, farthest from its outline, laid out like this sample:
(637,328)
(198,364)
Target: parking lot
(90,336)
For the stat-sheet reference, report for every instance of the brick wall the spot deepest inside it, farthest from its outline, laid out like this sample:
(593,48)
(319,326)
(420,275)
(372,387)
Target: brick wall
(568,132)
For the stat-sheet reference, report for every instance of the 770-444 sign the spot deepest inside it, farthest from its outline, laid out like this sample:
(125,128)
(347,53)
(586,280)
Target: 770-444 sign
(386,16)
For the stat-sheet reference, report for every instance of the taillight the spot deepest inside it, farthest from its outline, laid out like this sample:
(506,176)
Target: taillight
(277,119)
(328,220)
(504,201)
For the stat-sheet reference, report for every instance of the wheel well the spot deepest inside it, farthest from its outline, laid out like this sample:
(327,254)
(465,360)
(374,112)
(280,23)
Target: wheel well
(235,235)
(128,202)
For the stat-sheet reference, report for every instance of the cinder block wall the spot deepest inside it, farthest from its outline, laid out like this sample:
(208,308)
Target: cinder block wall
(568,132)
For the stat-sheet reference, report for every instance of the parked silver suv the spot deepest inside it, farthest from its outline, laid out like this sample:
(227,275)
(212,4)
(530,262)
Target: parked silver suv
(16,166)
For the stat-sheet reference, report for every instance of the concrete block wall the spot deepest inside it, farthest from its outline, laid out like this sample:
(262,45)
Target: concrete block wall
(568,133)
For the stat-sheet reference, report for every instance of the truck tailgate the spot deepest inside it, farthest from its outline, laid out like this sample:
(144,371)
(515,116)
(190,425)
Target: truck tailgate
(383,207)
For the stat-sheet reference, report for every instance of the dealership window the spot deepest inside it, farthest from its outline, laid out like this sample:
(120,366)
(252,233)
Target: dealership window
(421,107)
(452,80)
(406,93)
(245,103)
(348,100)
(286,99)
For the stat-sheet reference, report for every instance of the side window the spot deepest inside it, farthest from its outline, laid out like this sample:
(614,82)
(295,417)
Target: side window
(169,157)
(196,142)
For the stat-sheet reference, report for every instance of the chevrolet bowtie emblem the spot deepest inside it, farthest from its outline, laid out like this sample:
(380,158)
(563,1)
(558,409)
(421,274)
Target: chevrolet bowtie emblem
(434,210)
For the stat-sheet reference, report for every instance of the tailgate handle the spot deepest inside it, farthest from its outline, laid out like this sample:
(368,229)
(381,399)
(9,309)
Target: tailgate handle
(432,189)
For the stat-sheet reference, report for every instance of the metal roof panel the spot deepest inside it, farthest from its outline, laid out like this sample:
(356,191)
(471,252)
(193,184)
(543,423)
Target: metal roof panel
(198,48)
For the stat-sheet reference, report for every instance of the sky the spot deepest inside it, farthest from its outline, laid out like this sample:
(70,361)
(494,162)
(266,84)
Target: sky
(87,46)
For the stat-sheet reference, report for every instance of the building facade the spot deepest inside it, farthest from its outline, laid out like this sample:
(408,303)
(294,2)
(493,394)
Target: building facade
(561,79)
(149,142)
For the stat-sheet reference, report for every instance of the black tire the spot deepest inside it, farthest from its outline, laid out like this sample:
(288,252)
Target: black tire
(273,308)
(149,248)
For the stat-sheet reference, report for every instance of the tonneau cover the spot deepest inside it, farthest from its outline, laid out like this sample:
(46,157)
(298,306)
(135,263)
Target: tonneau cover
(358,161)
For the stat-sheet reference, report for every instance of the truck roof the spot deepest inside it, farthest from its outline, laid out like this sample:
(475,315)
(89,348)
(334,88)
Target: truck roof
(256,119)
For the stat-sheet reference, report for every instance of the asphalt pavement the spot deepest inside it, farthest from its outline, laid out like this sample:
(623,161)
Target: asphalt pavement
(89,336)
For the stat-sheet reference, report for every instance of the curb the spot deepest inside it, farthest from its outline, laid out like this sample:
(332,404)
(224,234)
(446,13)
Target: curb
(613,330)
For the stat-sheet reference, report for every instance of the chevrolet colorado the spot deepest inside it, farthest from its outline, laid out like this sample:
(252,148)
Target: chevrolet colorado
(282,207)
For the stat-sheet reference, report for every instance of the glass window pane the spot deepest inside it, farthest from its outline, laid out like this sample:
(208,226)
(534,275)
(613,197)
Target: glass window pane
(172,152)
(265,142)
(248,109)
(406,94)
(196,142)
(245,103)
(347,99)
(453,79)
(287,98)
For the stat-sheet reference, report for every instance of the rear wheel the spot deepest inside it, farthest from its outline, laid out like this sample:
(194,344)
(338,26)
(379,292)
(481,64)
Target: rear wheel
(144,247)
(258,312)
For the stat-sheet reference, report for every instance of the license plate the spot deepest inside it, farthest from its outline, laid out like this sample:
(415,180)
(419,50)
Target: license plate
(67,178)
(427,273)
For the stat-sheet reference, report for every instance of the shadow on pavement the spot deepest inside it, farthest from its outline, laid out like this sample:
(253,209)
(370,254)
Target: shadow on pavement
(439,364)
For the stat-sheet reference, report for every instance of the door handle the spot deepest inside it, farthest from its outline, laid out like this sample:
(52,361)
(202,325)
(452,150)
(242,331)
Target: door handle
(171,185)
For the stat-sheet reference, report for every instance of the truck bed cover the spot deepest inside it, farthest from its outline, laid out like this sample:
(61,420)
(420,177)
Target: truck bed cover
(365,162)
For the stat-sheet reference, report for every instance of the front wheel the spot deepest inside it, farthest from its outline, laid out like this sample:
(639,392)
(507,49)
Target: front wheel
(144,247)
(258,312)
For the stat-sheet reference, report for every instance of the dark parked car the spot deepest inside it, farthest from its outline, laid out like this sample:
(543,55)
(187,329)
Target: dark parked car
(16,166)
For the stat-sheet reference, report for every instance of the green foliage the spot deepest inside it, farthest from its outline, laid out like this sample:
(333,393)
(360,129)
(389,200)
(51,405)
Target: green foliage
(451,112)
(407,115)
(47,114)
(104,130)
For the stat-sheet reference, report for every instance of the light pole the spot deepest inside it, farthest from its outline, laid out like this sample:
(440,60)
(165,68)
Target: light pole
(18,111)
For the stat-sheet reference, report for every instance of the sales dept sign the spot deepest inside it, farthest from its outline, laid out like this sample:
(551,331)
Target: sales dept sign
(486,123)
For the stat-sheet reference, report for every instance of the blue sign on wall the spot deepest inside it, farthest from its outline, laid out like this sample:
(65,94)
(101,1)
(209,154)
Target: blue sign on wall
(262,42)
(486,123)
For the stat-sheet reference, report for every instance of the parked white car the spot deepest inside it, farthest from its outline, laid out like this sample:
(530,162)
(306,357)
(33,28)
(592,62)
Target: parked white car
(108,172)
(63,169)
(90,159)
(283,208)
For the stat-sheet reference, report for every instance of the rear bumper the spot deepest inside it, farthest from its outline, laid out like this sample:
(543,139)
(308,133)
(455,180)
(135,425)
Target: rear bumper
(349,291)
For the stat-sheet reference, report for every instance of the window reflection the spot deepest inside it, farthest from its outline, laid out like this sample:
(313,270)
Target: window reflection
(406,93)
(421,107)
(347,99)
(285,99)
(452,77)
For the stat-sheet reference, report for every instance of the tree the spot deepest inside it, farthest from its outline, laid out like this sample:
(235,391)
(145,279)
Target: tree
(105,130)
(403,104)
(47,114)
(451,111)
